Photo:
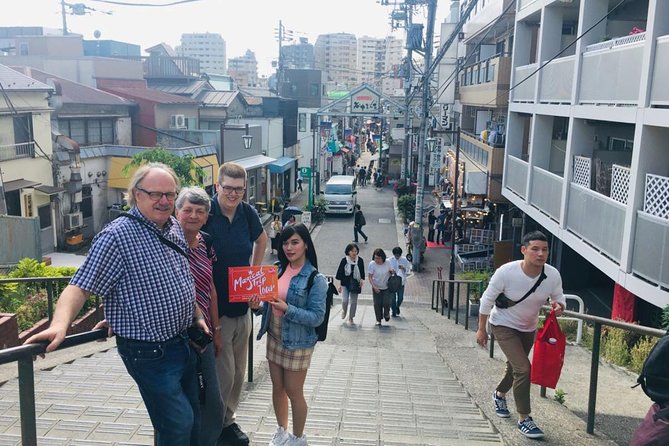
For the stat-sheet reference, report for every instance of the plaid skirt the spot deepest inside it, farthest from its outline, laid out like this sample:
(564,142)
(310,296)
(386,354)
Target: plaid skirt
(295,360)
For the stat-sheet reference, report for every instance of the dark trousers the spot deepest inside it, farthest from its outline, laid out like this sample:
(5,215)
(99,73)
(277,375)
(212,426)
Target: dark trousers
(357,229)
(381,304)
(430,234)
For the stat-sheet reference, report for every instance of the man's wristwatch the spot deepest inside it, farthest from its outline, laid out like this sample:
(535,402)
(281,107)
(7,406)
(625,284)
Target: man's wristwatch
(218,328)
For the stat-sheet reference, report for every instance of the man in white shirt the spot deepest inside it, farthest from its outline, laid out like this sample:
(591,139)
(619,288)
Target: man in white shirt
(515,327)
(402,267)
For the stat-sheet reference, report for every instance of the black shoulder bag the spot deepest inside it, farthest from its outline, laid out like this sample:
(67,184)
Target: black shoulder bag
(504,302)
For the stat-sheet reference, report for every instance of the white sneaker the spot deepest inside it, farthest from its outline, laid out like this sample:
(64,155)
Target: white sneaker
(294,441)
(281,437)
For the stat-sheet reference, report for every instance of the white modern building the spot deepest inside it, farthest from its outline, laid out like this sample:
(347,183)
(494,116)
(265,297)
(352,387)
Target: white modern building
(392,80)
(244,69)
(208,48)
(336,55)
(371,59)
(587,153)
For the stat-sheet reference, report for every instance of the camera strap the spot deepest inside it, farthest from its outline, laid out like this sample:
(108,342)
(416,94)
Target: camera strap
(164,240)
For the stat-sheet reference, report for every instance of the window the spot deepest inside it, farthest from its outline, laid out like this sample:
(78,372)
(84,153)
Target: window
(302,122)
(86,202)
(44,213)
(252,189)
(314,89)
(88,131)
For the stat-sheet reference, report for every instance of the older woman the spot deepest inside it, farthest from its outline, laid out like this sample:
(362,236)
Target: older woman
(351,276)
(192,209)
(380,271)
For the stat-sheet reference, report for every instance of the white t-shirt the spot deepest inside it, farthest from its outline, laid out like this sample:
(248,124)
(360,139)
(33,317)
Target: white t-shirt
(395,263)
(380,273)
(514,283)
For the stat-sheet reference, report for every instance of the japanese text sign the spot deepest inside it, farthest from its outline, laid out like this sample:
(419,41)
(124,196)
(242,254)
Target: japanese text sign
(247,281)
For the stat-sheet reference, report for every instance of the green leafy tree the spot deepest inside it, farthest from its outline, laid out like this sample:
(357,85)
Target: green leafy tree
(187,170)
(406,205)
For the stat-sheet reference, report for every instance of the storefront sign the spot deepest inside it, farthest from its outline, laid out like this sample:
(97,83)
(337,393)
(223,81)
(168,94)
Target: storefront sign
(365,102)
(306,219)
(245,282)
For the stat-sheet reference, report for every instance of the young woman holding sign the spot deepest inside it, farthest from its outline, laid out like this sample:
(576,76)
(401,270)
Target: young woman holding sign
(290,322)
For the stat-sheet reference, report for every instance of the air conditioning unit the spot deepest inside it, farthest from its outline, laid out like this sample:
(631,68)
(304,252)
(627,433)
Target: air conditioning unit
(178,121)
(74,220)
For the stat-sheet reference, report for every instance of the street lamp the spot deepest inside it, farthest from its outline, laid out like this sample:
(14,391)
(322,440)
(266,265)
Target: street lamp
(431,143)
(248,141)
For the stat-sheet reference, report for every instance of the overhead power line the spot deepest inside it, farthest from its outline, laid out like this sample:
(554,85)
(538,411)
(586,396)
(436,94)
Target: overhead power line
(155,5)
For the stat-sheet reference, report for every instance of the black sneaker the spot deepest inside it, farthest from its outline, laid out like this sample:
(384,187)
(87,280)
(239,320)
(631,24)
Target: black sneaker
(501,409)
(529,428)
(234,436)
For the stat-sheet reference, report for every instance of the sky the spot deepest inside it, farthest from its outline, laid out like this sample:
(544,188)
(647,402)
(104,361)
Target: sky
(246,24)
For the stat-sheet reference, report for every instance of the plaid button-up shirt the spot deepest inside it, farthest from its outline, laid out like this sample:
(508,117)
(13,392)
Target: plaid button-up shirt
(146,286)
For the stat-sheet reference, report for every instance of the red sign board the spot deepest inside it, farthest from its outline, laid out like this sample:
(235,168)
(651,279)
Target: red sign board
(247,281)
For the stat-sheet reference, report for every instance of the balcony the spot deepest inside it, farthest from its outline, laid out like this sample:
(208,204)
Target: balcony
(607,69)
(524,92)
(524,3)
(486,82)
(516,176)
(659,93)
(556,81)
(169,67)
(16,151)
(547,192)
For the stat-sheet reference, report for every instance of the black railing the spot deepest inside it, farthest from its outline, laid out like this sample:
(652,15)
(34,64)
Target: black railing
(438,295)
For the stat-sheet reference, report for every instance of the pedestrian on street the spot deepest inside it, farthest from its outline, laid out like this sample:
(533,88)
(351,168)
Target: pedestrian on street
(138,265)
(515,327)
(239,240)
(192,209)
(431,225)
(351,276)
(379,271)
(401,265)
(290,222)
(362,176)
(290,322)
(275,233)
(358,222)
(299,183)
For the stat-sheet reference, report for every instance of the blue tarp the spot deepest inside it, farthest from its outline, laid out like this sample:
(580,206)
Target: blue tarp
(281,164)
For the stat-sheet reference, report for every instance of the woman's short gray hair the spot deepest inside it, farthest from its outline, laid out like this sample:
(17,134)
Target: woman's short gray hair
(193,195)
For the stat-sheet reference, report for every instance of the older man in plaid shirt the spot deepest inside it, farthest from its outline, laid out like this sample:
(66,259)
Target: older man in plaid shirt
(138,265)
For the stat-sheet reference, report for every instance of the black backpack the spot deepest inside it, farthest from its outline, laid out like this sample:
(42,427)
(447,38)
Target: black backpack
(322,329)
(654,377)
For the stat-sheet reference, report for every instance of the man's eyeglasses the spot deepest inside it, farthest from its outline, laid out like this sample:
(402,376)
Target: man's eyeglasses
(156,196)
(227,190)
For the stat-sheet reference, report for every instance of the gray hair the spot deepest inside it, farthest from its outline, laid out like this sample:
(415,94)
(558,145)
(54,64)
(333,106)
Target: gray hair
(142,172)
(193,195)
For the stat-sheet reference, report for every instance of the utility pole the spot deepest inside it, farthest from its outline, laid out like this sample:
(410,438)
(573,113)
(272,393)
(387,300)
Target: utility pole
(282,35)
(406,150)
(64,15)
(417,232)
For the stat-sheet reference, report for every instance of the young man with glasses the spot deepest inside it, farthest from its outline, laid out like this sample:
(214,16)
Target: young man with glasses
(138,265)
(239,240)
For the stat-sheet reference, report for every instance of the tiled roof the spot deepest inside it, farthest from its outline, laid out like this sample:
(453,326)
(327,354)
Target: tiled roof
(219,98)
(73,92)
(13,80)
(150,95)
(193,88)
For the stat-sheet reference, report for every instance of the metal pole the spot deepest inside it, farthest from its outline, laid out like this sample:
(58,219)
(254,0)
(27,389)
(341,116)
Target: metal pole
(418,218)
(406,151)
(454,210)
(250,355)
(27,402)
(62,11)
(594,372)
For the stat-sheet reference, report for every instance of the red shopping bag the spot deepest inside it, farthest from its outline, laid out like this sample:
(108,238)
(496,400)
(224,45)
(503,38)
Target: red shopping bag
(548,356)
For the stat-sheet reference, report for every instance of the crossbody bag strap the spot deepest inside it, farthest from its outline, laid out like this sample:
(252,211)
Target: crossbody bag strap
(161,237)
(542,276)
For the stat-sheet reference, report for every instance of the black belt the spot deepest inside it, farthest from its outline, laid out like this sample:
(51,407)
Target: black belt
(181,337)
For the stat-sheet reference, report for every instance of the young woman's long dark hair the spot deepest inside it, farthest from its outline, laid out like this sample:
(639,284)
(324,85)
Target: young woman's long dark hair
(303,233)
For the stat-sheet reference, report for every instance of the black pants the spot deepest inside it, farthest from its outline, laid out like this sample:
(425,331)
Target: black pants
(430,234)
(357,229)
(381,304)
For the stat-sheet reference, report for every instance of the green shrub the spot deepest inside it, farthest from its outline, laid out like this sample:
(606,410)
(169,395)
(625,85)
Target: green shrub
(406,206)
(476,291)
(318,210)
(640,352)
(560,396)
(570,329)
(665,318)
(616,347)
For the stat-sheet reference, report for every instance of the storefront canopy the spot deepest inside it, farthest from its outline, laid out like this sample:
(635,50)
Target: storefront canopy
(253,162)
(11,186)
(281,164)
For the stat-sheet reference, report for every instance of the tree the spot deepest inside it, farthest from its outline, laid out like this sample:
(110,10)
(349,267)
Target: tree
(187,170)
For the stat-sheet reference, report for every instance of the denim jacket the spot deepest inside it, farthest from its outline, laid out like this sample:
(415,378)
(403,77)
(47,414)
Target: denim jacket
(304,313)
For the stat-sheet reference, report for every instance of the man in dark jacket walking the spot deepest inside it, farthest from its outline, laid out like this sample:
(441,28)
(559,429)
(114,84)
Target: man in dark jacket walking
(358,222)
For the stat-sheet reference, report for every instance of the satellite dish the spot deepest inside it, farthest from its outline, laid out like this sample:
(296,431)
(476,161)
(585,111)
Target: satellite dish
(97,33)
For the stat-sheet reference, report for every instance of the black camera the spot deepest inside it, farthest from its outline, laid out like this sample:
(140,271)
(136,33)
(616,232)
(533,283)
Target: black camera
(198,336)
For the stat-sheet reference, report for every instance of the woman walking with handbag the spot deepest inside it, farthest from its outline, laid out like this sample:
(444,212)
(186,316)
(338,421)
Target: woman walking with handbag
(380,271)
(275,233)
(351,276)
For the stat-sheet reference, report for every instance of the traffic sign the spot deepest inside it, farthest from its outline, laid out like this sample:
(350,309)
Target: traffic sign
(305,172)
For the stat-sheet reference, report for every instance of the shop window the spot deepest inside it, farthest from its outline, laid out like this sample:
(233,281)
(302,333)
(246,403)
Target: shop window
(252,189)
(44,213)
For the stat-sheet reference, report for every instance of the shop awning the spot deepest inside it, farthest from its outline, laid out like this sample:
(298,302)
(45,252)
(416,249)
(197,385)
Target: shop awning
(11,186)
(49,190)
(281,165)
(253,162)
(345,150)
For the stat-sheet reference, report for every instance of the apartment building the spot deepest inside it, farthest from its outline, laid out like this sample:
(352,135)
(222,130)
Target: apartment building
(392,80)
(586,151)
(244,69)
(299,56)
(371,60)
(208,48)
(336,56)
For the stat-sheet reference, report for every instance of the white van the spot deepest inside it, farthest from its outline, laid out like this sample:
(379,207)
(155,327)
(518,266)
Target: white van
(340,194)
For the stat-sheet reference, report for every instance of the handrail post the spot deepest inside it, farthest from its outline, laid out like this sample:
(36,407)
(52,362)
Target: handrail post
(27,401)
(49,300)
(542,392)
(594,371)
(249,367)
(457,303)
(467,308)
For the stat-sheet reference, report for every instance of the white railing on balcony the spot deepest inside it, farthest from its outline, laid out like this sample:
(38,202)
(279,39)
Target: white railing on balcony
(620,183)
(656,197)
(16,151)
(516,175)
(607,74)
(650,259)
(524,92)
(613,43)
(659,93)
(557,81)
(524,3)
(582,171)
(547,192)
(597,219)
